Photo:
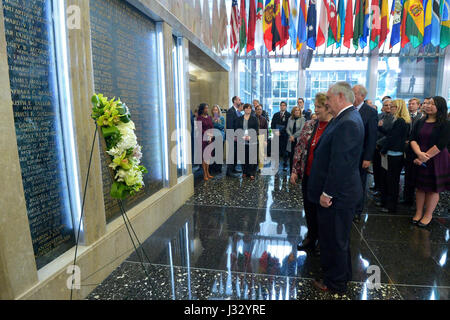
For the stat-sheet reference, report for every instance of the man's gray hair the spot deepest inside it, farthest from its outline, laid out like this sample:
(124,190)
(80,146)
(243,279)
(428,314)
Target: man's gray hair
(344,88)
(361,89)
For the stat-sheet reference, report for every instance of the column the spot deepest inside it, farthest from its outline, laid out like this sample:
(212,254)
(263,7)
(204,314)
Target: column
(443,81)
(301,89)
(372,75)
(17,263)
(82,84)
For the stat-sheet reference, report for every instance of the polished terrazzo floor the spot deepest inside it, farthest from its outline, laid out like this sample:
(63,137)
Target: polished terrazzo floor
(236,239)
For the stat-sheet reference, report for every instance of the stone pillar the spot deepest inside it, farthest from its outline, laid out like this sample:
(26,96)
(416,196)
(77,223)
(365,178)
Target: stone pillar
(372,75)
(17,263)
(82,84)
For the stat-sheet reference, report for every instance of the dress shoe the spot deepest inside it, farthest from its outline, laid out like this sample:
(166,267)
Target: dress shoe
(422,225)
(318,284)
(415,222)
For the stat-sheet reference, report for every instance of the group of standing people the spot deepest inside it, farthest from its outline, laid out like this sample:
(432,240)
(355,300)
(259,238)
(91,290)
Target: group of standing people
(335,151)
(331,154)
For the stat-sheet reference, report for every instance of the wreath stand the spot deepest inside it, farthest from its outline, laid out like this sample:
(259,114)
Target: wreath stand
(126,220)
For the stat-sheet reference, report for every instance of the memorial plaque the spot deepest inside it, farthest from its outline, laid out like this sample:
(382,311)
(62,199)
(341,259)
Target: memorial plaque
(125,65)
(34,91)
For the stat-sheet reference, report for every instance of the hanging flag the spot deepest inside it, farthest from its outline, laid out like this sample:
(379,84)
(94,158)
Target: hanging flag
(348,33)
(322,33)
(428,13)
(251,26)
(302,33)
(340,23)
(435,29)
(216,28)
(293,21)
(396,13)
(311,24)
(404,36)
(243,28)
(366,30)
(415,22)
(234,22)
(268,22)
(376,25)
(285,14)
(445,23)
(276,25)
(332,22)
(384,21)
(359,23)
(259,34)
(223,38)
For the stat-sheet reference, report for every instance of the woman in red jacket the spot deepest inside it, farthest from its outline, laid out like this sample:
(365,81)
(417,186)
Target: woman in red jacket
(303,159)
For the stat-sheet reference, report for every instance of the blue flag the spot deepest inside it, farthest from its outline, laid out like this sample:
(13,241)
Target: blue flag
(311,24)
(302,30)
(366,29)
(396,13)
(293,23)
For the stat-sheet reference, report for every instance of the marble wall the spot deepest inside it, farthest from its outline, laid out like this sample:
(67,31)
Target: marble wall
(105,245)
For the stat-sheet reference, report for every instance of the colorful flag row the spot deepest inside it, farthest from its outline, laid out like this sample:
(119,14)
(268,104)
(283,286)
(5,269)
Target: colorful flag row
(273,22)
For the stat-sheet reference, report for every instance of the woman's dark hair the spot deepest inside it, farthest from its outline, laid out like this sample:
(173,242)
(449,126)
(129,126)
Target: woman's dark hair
(441,106)
(201,108)
(247,105)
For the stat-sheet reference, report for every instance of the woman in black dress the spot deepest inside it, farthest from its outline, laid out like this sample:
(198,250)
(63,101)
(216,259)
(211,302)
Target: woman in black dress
(429,140)
(250,126)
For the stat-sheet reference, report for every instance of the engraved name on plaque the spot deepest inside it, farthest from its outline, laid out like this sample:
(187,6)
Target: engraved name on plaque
(124,58)
(34,92)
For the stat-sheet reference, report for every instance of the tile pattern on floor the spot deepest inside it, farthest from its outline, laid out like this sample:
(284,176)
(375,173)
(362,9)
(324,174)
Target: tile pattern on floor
(237,239)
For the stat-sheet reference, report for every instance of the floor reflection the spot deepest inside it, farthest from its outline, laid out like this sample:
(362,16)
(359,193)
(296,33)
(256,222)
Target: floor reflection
(237,239)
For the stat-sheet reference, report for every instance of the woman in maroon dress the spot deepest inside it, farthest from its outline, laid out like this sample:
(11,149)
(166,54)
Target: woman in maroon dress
(207,124)
(429,140)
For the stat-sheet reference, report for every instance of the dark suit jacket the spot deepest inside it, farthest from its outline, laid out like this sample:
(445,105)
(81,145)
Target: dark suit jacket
(335,169)
(231,118)
(253,123)
(396,137)
(369,117)
(277,121)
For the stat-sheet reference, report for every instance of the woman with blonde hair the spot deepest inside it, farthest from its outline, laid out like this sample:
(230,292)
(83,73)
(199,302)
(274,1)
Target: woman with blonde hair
(393,149)
(302,164)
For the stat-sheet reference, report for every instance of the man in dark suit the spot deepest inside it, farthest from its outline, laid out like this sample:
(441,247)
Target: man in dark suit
(279,121)
(232,114)
(335,186)
(370,120)
(410,167)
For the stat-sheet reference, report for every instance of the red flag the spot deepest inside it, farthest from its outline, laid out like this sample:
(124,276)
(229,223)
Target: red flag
(281,34)
(348,33)
(332,20)
(322,33)
(267,24)
(251,27)
(404,37)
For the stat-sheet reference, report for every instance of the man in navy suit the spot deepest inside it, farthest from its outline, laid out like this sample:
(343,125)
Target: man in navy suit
(232,114)
(335,186)
(370,120)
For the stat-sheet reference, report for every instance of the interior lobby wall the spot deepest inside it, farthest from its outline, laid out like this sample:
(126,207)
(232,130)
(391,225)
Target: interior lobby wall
(105,244)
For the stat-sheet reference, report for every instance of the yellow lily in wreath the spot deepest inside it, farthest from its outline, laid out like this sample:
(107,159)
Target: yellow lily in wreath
(122,162)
